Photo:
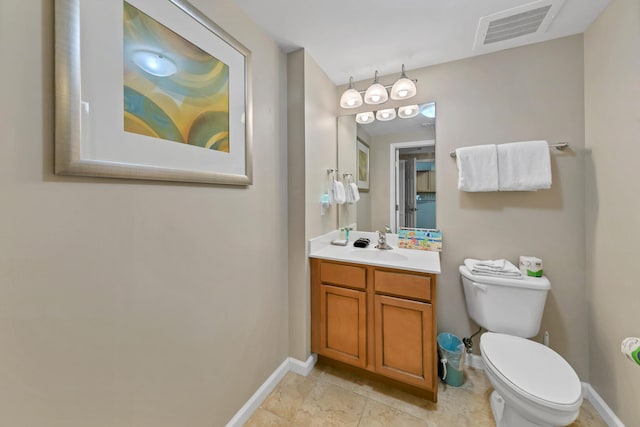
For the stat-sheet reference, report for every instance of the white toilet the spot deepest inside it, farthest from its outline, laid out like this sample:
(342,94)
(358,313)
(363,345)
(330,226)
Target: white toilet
(534,385)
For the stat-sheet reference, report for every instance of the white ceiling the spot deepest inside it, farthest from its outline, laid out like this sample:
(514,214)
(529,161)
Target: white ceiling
(356,37)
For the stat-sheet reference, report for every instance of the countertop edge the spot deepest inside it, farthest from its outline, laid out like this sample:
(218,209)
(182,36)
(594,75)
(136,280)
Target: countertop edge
(376,264)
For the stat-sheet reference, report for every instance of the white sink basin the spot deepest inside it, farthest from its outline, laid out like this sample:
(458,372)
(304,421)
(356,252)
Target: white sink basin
(378,254)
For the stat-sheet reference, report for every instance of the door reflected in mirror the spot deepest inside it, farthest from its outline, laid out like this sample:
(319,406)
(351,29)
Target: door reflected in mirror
(402,171)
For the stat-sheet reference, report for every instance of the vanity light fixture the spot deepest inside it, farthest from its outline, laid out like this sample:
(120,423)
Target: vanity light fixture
(386,114)
(408,111)
(376,93)
(365,118)
(351,98)
(403,88)
(154,63)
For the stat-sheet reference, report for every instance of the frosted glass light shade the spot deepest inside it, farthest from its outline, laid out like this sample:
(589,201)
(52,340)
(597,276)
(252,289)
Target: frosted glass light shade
(365,118)
(376,94)
(386,115)
(408,111)
(403,89)
(351,98)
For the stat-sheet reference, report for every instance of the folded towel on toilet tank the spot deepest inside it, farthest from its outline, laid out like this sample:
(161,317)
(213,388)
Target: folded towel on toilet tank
(497,268)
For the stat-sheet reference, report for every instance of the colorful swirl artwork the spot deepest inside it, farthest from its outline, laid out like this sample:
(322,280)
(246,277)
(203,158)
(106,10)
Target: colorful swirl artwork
(173,90)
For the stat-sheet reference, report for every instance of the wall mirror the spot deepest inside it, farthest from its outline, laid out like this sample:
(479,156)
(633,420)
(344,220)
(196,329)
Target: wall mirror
(401,171)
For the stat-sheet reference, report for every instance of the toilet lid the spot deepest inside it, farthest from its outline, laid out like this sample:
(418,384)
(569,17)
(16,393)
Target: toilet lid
(532,368)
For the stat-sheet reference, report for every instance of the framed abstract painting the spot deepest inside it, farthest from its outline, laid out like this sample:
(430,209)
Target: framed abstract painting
(362,156)
(150,89)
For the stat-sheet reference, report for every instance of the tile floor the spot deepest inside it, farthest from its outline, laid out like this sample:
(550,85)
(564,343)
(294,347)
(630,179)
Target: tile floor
(329,396)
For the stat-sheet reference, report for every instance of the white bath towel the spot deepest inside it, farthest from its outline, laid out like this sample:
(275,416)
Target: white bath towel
(497,268)
(477,168)
(353,195)
(524,166)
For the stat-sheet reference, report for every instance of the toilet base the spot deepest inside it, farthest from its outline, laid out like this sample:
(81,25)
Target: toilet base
(507,417)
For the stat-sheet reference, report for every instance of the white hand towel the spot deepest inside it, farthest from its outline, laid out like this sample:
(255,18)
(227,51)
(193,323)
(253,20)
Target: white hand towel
(477,168)
(349,193)
(492,268)
(353,190)
(524,166)
(332,192)
(340,195)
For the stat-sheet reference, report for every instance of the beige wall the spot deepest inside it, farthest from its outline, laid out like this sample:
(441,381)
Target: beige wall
(612,103)
(320,144)
(312,144)
(297,250)
(129,303)
(531,92)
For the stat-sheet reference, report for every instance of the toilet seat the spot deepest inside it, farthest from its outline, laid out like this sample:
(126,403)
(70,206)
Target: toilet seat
(532,370)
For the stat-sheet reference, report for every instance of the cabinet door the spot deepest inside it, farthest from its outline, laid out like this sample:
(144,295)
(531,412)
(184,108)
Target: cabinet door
(404,340)
(431,187)
(422,181)
(343,325)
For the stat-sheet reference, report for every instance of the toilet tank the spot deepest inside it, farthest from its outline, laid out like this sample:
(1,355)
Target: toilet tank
(505,305)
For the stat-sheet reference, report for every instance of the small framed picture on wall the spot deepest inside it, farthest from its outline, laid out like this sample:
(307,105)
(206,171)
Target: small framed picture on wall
(362,155)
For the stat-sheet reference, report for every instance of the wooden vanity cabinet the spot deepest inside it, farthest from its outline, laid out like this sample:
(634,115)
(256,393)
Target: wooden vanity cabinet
(426,181)
(404,327)
(378,319)
(343,313)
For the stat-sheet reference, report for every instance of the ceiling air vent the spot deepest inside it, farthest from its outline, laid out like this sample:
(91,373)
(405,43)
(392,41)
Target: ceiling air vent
(532,18)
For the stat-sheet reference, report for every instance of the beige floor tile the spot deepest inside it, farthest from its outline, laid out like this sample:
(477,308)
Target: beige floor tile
(588,417)
(288,396)
(345,379)
(411,404)
(380,415)
(264,418)
(330,405)
(333,397)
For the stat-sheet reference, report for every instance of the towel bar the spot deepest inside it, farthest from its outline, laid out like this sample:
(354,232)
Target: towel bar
(558,146)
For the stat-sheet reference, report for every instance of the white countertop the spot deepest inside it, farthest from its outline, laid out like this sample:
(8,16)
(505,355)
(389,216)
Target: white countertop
(405,259)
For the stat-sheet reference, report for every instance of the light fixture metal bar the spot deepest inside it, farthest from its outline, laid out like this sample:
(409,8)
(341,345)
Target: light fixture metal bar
(386,86)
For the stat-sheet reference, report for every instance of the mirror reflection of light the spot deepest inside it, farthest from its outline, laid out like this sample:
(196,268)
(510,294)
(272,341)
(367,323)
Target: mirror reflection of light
(408,111)
(365,118)
(154,63)
(385,115)
(428,110)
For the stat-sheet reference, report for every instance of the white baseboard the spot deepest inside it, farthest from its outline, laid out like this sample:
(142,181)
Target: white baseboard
(588,392)
(289,365)
(605,412)
(303,368)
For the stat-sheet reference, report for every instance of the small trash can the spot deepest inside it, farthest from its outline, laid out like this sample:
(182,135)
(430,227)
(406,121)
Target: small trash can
(451,349)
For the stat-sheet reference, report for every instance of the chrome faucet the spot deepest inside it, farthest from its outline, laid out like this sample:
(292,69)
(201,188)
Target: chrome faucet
(382,238)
